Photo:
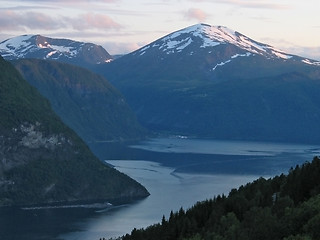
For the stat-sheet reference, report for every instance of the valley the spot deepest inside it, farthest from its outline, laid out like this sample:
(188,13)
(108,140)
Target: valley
(79,126)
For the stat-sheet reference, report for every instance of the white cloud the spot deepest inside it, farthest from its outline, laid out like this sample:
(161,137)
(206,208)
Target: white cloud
(93,20)
(121,48)
(250,3)
(309,52)
(65,1)
(11,20)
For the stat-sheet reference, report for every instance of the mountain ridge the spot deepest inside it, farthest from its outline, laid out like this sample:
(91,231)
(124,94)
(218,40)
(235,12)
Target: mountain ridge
(64,50)
(27,46)
(184,84)
(189,82)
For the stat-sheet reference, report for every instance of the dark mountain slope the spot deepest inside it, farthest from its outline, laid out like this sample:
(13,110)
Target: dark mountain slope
(41,160)
(85,101)
(212,81)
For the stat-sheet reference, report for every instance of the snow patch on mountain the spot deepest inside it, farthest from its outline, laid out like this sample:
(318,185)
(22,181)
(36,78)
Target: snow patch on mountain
(17,42)
(242,55)
(213,36)
(221,64)
(50,54)
(179,45)
(232,57)
(308,61)
(70,51)
(12,45)
(187,42)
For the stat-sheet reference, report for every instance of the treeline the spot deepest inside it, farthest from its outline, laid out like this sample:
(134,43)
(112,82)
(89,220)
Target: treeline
(285,207)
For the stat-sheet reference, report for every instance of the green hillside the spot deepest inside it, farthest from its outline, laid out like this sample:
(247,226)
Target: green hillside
(286,207)
(42,160)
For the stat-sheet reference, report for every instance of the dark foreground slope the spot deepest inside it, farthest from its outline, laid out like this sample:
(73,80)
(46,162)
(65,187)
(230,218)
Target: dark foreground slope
(85,101)
(285,207)
(43,161)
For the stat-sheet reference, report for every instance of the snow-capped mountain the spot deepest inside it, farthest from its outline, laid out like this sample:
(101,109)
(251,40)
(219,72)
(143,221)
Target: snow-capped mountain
(207,52)
(63,50)
(212,36)
(205,37)
(216,82)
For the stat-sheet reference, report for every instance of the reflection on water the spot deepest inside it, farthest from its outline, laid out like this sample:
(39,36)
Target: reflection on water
(177,172)
(244,148)
(228,157)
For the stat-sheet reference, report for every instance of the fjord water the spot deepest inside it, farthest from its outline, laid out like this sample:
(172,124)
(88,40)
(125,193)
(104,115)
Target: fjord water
(177,171)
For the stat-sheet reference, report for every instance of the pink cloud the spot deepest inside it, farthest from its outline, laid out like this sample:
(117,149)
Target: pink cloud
(23,21)
(93,20)
(195,13)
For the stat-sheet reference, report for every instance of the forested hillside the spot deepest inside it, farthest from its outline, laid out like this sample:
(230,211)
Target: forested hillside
(285,207)
(42,160)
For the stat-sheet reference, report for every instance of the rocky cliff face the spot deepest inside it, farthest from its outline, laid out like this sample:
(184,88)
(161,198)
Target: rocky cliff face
(27,143)
(17,145)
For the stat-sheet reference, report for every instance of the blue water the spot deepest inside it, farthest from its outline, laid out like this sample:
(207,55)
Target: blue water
(178,172)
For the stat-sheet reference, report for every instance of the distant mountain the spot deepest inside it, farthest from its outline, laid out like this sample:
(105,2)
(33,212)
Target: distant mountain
(212,81)
(62,50)
(42,160)
(85,101)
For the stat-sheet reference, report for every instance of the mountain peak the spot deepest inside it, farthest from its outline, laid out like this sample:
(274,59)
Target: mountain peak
(207,36)
(64,50)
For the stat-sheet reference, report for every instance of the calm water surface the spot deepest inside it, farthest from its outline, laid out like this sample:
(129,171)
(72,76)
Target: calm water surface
(177,172)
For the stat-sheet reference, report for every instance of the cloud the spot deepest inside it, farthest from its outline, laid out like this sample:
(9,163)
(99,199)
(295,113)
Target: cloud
(196,13)
(250,3)
(121,48)
(11,20)
(258,4)
(93,20)
(309,52)
(65,1)
(22,21)
(312,52)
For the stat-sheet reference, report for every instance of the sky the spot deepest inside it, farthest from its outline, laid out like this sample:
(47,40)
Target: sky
(122,26)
